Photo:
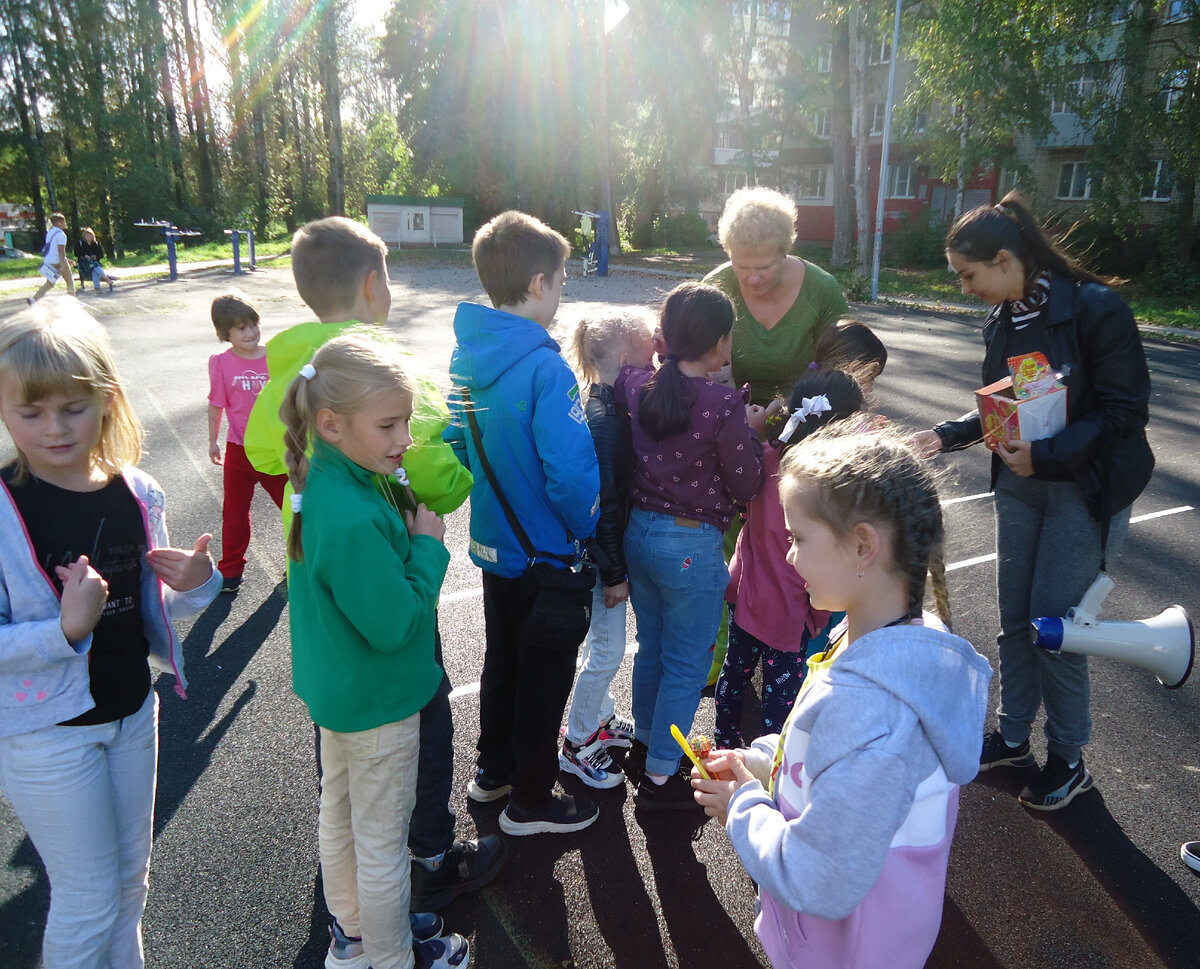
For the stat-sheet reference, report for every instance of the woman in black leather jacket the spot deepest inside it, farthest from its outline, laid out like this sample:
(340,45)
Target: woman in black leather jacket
(1061,502)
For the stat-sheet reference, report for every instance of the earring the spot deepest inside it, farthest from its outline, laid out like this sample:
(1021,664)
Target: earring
(860,573)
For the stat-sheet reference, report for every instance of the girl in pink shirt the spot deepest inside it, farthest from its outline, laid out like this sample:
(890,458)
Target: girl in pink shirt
(235,378)
(770,618)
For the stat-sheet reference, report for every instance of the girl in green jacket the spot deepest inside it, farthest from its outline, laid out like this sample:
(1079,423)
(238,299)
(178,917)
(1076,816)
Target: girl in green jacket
(366,567)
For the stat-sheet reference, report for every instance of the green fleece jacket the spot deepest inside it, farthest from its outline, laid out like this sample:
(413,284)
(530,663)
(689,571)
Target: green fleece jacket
(437,477)
(362,602)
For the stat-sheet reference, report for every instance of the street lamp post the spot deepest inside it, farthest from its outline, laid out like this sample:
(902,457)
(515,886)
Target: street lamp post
(883,158)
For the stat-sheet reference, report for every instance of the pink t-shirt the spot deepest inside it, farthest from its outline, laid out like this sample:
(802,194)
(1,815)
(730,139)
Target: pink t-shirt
(233,383)
(771,599)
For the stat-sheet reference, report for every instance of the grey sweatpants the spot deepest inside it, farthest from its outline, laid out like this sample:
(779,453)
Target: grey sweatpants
(1048,553)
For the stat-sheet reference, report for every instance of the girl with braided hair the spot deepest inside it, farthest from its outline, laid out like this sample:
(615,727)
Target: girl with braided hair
(1063,501)
(365,568)
(845,818)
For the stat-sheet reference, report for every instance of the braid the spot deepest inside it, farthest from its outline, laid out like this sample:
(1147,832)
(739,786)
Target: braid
(294,414)
(877,477)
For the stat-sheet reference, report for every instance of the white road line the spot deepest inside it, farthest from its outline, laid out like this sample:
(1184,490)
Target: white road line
(467,689)
(959,501)
(1160,514)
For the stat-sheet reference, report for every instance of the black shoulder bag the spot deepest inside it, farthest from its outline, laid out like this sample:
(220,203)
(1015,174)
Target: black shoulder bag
(562,597)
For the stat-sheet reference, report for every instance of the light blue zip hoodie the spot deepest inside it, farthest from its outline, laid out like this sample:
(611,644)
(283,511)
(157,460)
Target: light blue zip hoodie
(43,678)
(535,435)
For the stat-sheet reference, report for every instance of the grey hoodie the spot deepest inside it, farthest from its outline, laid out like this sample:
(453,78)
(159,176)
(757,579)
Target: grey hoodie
(851,851)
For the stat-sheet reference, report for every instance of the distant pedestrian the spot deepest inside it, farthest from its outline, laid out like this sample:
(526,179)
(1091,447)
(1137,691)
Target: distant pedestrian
(90,584)
(844,819)
(89,255)
(365,568)
(1070,491)
(55,264)
(235,378)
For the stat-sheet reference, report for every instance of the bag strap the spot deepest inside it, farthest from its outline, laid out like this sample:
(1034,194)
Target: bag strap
(513,522)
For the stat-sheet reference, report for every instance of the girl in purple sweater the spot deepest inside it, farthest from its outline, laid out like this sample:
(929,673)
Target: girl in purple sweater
(697,452)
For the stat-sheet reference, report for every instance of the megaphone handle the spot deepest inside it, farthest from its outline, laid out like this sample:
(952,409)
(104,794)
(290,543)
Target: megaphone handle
(1092,602)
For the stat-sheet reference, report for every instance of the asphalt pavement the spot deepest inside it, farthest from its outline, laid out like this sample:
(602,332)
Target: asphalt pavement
(235,879)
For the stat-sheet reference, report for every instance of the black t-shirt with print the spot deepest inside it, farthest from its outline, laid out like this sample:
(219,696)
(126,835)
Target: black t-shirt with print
(107,527)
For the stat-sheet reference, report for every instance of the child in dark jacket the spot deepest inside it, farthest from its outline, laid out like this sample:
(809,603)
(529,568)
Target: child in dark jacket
(600,347)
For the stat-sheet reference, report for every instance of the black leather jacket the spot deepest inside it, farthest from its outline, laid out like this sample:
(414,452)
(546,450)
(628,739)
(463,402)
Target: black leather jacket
(1091,335)
(613,437)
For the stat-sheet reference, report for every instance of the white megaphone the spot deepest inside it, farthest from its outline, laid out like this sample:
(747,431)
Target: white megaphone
(1164,644)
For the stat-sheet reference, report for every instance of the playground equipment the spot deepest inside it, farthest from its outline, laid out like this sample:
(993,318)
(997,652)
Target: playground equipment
(594,226)
(237,252)
(170,232)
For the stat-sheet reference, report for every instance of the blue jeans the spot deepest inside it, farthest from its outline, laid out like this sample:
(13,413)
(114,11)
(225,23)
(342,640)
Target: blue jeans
(1048,553)
(603,650)
(86,798)
(677,580)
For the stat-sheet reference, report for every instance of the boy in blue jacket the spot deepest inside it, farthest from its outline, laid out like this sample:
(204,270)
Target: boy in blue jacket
(526,406)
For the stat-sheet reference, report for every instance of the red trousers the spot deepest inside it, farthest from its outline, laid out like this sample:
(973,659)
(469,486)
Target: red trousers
(240,479)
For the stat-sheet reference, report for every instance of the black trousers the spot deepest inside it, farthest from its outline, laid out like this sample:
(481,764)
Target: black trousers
(527,676)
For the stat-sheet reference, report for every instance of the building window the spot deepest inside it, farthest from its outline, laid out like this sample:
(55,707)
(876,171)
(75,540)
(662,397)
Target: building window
(1079,88)
(1160,182)
(729,138)
(820,123)
(1178,10)
(732,182)
(920,122)
(811,184)
(881,54)
(1171,89)
(902,182)
(1073,181)
(878,118)
(825,59)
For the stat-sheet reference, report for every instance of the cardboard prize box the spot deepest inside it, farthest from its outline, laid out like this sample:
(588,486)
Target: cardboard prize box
(1006,418)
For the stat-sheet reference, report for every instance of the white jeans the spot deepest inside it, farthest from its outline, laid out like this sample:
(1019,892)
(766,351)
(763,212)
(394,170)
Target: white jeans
(368,790)
(86,798)
(603,651)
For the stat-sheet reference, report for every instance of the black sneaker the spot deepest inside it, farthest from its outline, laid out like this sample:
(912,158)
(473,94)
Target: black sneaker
(484,789)
(231,583)
(997,753)
(635,761)
(448,952)
(562,813)
(468,865)
(674,795)
(1057,785)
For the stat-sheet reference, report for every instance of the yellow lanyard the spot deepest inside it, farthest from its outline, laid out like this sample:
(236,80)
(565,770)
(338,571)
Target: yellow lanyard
(818,664)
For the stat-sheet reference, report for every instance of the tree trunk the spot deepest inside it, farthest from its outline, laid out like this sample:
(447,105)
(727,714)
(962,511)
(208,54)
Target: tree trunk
(331,100)
(860,44)
(162,65)
(961,187)
(840,116)
(197,114)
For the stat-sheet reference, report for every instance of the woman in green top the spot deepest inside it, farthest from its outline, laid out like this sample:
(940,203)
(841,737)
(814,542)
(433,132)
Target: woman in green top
(783,302)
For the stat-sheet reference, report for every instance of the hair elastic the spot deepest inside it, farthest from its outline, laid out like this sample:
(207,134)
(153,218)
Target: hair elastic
(401,475)
(296,504)
(809,406)
(999,209)
(308,371)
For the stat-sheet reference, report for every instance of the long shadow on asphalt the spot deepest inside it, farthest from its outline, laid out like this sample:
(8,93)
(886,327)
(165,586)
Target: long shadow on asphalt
(696,918)
(187,725)
(1163,915)
(24,915)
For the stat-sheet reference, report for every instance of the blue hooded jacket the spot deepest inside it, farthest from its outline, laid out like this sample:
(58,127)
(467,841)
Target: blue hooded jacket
(530,415)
